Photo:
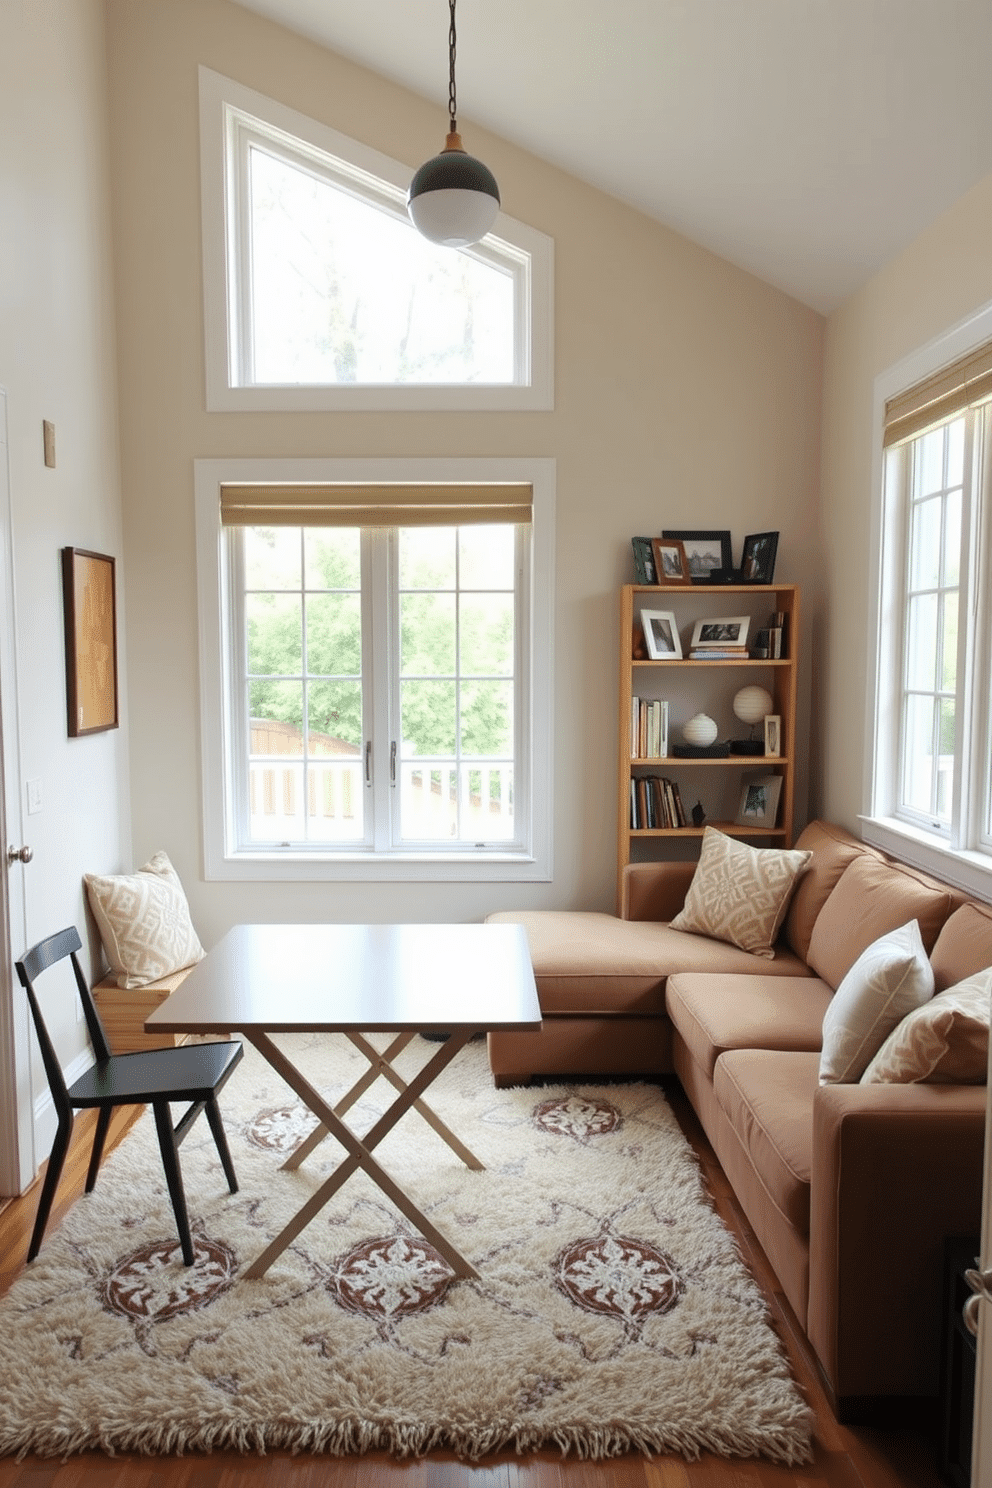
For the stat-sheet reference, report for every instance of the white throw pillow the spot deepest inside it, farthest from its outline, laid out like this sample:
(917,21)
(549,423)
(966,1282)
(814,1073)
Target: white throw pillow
(144,922)
(740,894)
(944,1042)
(887,981)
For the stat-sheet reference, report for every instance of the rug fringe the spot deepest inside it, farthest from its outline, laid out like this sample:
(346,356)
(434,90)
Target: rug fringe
(350,1438)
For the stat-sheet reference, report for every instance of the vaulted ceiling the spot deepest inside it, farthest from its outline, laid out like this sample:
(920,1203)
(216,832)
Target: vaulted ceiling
(807,141)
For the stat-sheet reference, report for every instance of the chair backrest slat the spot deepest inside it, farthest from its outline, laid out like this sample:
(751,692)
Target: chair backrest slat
(57,947)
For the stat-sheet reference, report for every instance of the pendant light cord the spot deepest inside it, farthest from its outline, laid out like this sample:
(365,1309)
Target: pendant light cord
(452,102)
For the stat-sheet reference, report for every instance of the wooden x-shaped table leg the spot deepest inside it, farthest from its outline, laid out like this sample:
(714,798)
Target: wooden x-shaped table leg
(360,1150)
(382,1064)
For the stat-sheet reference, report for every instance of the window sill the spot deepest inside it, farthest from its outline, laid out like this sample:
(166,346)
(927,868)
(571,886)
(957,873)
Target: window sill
(294,867)
(969,871)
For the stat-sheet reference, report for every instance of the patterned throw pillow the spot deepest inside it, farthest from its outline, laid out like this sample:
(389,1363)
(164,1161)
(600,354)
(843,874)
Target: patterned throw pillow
(944,1042)
(144,922)
(739,893)
(887,981)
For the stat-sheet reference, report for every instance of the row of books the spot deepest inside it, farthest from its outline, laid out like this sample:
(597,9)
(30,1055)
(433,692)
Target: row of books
(655,802)
(770,640)
(648,728)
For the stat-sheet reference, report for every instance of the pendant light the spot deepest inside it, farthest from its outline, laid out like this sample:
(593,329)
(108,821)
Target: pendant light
(453,199)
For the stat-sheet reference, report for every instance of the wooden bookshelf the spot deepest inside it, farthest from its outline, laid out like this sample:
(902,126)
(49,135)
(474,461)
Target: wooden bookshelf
(693,686)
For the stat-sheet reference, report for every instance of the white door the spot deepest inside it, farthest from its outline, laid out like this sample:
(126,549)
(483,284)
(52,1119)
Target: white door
(17,1164)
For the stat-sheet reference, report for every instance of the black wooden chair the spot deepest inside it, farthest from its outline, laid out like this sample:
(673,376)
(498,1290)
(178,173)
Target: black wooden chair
(193,1072)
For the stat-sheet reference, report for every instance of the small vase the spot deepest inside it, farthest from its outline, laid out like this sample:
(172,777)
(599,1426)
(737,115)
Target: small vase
(700,730)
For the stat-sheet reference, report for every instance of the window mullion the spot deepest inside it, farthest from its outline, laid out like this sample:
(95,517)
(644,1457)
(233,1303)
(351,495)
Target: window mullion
(236,699)
(379,677)
(978,662)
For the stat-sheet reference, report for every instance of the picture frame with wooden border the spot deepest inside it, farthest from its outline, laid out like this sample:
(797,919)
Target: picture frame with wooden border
(661,635)
(670,561)
(89,593)
(758,806)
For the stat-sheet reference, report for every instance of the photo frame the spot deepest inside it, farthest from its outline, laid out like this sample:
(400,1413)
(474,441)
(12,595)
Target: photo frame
(89,594)
(758,558)
(644,569)
(758,807)
(706,552)
(773,734)
(670,561)
(661,635)
(718,632)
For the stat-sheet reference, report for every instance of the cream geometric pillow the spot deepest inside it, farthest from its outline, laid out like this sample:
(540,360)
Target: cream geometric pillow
(144,922)
(740,894)
(888,980)
(944,1042)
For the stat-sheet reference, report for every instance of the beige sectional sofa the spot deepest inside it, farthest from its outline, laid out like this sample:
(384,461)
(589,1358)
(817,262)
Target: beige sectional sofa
(851,1188)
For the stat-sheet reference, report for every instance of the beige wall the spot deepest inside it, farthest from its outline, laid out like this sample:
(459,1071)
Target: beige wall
(688,394)
(944,276)
(57,361)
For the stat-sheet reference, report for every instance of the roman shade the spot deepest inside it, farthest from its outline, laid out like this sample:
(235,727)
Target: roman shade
(947,392)
(404,504)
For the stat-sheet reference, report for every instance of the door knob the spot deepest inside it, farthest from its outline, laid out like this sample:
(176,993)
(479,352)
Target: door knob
(19,855)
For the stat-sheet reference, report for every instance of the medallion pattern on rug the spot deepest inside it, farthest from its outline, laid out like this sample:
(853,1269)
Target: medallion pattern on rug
(612,1311)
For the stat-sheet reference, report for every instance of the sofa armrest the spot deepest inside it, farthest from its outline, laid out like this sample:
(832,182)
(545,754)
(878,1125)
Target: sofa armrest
(896,1170)
(654,891)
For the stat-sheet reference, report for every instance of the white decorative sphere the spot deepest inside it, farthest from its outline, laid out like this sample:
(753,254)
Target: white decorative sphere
(700,730)
(752,704)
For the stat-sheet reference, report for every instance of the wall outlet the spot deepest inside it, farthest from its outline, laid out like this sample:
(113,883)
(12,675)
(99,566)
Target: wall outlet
(34,796)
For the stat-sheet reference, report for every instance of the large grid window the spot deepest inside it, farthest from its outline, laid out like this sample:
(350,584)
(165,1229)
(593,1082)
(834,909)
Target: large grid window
(931,788)
(375,677)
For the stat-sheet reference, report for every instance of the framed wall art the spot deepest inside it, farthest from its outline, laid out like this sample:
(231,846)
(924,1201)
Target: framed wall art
(89,592)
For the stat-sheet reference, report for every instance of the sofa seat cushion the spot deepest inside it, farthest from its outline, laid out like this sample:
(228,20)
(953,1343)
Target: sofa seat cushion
(585,962)
(767,1097)
(715,1013)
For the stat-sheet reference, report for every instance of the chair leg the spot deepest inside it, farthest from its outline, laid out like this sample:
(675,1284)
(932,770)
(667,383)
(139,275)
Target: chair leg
(53,1173)
(99,1137)
(173,1177)
(220,1137)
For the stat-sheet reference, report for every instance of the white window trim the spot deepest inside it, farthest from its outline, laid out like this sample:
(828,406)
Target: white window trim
(965,869)
(221,861)
(218,95)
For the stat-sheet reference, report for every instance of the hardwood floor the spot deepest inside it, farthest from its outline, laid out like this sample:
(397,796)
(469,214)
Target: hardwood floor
(845,1457)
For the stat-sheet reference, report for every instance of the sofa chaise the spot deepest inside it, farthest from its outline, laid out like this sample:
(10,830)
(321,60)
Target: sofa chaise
(852,1188)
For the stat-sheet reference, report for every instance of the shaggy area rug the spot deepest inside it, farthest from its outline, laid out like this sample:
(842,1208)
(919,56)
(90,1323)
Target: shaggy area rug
(613,1311)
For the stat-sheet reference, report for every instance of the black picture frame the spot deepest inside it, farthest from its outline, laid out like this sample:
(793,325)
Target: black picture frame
(706,552)
(758,558)
(89,592)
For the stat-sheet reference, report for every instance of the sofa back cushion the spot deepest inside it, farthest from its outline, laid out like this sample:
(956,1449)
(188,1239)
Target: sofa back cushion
(963,946)
(832,849)
(872,897)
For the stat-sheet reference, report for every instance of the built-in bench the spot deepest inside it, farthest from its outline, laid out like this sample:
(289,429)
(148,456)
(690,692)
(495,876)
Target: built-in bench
(123,1012)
